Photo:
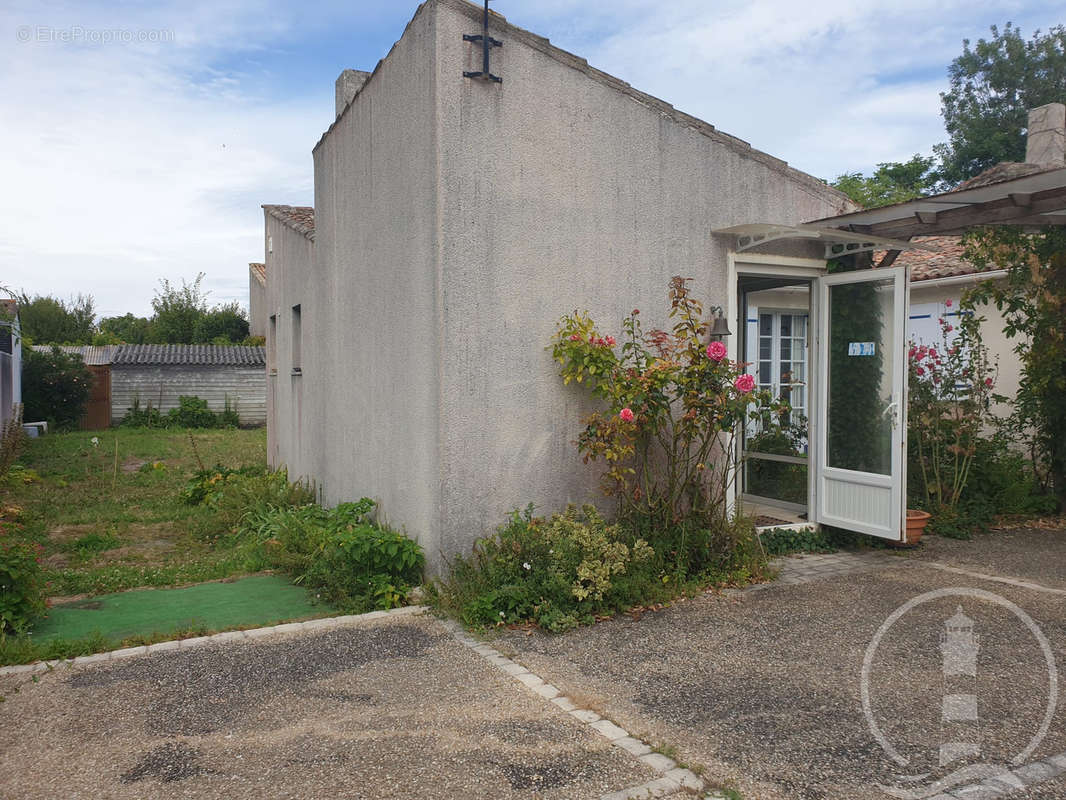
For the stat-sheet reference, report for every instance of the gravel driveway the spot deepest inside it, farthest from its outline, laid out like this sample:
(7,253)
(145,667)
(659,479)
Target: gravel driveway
(764,688)
(396,708)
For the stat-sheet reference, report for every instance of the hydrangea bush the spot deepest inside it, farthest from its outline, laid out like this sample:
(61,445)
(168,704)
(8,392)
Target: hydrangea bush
(674,405)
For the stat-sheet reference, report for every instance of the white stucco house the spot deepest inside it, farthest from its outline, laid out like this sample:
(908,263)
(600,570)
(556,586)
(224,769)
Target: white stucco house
(461,211)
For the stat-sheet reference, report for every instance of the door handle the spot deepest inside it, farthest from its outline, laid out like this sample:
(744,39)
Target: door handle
(892,408)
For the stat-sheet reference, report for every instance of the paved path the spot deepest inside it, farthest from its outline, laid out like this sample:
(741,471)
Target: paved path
(763,688)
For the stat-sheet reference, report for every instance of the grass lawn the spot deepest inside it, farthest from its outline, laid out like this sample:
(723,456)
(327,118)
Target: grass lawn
(150,613)
(109,517)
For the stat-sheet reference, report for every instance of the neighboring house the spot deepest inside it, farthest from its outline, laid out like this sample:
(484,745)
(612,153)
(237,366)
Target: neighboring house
(98,361)
(159,374)
(257,301)
(10,359)
(939,278)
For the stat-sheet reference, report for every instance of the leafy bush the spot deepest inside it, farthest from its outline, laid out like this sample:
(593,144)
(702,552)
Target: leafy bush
(21,586)
(147,417)
(1007,479)
(567,570)
(208,485)
(1031,298)
(349,560)
(192,412)
(782,541)
(55,387)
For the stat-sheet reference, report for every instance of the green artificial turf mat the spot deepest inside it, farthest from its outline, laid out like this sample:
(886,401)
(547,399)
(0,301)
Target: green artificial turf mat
(248,602)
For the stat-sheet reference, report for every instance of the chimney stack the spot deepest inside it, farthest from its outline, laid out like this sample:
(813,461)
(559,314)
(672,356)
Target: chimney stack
(1046,141)
(349,83)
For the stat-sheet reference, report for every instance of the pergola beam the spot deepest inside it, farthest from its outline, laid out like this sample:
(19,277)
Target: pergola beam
(1002,211)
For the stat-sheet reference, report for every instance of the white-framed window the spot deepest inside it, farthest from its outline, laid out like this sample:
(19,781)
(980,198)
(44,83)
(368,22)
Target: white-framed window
(779,360)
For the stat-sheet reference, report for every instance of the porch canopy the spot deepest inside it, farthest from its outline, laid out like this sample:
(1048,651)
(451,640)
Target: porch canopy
(837,242)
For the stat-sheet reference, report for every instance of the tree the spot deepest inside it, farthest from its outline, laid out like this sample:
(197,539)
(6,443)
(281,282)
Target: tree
(49,320)
(127,328)
(891,182)
(223,324)
(994,84)
(177,310)
(1033,302)
(55,386)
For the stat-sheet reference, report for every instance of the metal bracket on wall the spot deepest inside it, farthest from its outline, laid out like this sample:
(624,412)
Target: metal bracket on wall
(487,43)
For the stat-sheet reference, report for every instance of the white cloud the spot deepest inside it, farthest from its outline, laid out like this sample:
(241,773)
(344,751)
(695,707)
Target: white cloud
(125,163)
(829,85)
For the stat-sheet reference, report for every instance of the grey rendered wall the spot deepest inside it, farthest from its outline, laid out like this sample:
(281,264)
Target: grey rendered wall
(290,270)
(371,378)
(562,188)
(257,306)
(162,386)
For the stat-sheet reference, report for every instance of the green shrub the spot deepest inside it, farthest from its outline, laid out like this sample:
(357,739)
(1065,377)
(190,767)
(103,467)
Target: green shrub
(207,485)
(352,562)
(192,412)
(55,387)
(569,569)
(147,417)
(1006,478)
(783,541)
(21,586)
(228,416)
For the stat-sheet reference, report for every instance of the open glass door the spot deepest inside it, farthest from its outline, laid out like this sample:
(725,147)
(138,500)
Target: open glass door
(862,406)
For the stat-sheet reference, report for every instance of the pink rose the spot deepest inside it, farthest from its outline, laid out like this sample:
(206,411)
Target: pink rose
(988,382)
(919,372)
(716,351)
(626,414)
(947,303)
(575,338)
(744,383)
(610,341)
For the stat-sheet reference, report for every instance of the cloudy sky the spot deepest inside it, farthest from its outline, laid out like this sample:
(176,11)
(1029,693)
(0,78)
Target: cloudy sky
(138,139)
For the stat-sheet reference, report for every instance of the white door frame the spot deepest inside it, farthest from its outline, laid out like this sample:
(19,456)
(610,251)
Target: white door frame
(778,267)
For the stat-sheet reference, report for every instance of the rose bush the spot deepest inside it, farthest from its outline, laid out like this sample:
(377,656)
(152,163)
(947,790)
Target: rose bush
(950,388)
(674,405)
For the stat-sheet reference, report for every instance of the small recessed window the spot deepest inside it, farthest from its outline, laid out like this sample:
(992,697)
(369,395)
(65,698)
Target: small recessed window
(296,363)
(272,343)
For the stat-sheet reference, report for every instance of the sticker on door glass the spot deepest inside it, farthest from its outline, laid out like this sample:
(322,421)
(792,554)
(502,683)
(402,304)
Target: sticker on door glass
(860,348)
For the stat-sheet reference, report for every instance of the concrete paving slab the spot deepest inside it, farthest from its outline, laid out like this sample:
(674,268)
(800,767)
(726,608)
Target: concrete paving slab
(396,708)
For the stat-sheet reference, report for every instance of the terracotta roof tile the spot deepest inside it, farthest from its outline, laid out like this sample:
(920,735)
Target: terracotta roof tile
(943,261)
(300,218)
(259,271)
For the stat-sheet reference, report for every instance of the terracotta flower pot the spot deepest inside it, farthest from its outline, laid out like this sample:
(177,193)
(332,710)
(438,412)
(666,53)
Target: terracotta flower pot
(916,522)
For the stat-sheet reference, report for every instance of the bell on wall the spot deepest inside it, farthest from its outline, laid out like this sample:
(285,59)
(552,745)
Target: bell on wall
(719,327)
